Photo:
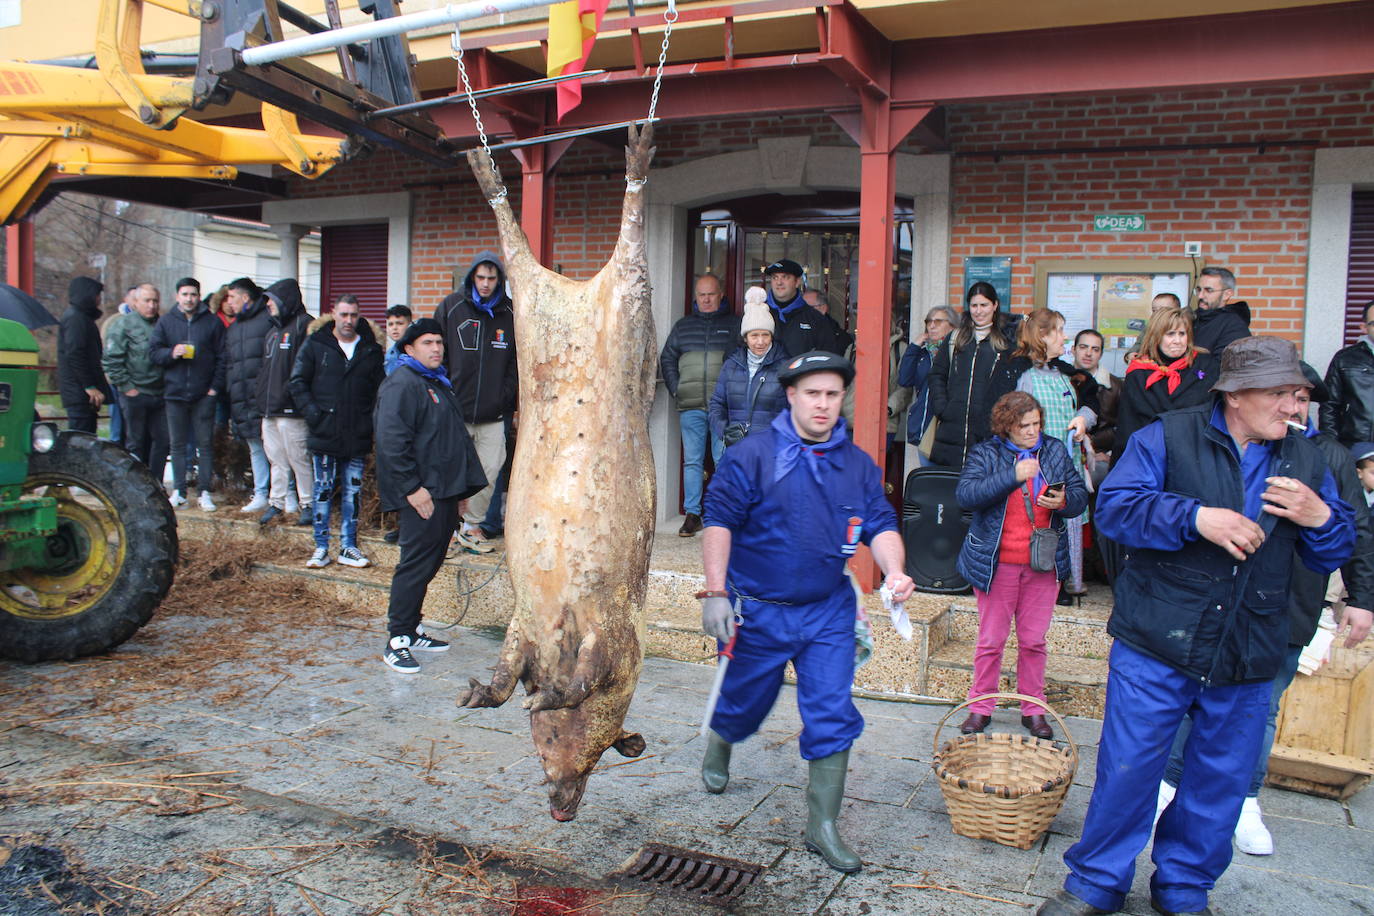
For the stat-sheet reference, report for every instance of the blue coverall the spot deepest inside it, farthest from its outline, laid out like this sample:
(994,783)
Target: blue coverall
(1148,697)
(796,513)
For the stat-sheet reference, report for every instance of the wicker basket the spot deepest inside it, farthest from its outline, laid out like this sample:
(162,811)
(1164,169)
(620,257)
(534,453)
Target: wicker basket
(1000,787)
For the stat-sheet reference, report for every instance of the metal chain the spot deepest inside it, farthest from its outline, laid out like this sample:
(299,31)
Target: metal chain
(669,17)
(476,116)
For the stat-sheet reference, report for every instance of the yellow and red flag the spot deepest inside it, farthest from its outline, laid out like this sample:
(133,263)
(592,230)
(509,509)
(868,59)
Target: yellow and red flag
(572,32)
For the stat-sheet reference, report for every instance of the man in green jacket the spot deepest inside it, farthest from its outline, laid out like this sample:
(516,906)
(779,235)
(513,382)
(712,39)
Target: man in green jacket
(690,363)
(137,380)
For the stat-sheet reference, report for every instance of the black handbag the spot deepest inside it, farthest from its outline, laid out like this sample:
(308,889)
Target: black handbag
(740,428)
(1044,542)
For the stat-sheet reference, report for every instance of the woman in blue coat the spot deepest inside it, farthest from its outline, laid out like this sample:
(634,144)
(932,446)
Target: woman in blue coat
(747,395)
(1015,482)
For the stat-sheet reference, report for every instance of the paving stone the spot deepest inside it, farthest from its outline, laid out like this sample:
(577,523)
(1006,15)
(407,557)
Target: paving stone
(1361,808)
(871,892)
(1296,805)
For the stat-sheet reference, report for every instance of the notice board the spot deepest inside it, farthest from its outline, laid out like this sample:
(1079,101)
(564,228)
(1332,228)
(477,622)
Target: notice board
(1111,295)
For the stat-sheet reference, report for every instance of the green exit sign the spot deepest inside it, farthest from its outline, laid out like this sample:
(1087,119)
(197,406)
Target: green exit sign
(1119,222)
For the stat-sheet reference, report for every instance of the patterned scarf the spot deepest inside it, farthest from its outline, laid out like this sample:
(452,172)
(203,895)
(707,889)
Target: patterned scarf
(1170,372)
(792,449)
(434,375)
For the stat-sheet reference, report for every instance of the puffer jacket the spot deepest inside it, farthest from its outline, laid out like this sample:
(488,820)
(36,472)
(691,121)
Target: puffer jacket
(988,478)
(189,379)
(279,349)
(734,391)
(1349,412)
(126,359)
(959,399)
(694,353)
(243,349)
(336,395)
(78,342)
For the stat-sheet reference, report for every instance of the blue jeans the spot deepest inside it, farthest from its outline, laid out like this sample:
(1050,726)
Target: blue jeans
(116,421)
(326,480)
(262,468)
(1146,700)
(695,429)
(1281,682)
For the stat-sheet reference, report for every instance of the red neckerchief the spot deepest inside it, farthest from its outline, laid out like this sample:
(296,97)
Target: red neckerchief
(1171,371)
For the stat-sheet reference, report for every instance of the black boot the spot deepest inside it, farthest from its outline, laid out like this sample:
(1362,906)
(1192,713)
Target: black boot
(824,795)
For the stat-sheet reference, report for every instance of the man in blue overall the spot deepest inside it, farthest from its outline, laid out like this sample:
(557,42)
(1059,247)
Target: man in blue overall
(786,510)
(1212,503)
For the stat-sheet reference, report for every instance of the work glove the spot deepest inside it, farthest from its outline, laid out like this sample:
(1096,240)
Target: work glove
(718,618)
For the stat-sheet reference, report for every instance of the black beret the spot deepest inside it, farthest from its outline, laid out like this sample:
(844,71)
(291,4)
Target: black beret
(815,361)
(417,330)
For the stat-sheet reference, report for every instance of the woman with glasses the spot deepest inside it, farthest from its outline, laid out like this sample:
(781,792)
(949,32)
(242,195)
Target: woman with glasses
(914,373)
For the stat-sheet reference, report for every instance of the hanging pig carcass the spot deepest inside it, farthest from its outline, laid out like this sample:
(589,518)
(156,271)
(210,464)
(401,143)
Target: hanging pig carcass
(580,511)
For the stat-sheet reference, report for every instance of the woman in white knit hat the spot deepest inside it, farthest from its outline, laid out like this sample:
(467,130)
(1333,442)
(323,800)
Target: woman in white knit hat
(747,394)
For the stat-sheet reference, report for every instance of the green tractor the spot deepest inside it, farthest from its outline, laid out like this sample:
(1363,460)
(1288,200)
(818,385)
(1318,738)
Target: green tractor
(88,540)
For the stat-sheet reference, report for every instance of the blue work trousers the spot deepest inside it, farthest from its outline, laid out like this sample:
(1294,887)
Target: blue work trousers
(695,433)
(1280,684)
(818,639)
(1146,700)
(345,477)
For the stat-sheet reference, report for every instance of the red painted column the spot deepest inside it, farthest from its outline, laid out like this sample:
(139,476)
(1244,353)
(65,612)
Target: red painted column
(19,255)
(877,195)
(536,201)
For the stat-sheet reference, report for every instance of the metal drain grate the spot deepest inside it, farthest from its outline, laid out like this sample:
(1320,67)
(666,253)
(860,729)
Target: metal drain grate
(694,875)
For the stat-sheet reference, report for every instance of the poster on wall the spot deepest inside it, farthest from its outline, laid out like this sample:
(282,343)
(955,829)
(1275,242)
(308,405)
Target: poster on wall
(996,271)
(1123,307)
(1073,296)
(1178,284)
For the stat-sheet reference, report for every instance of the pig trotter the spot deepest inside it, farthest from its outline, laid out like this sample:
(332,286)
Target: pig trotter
(629,744)
(591,672)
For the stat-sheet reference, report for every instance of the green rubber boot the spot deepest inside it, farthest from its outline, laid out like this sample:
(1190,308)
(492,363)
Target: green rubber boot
(824,794)
(715,764)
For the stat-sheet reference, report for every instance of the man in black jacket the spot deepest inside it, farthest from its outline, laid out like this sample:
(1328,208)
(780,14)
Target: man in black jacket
(479,337)
(283,428)
(1220,318)
(334,385)
(426,467)
(243,346)
(81,381)
(188,342)
(1349,413)
(690,363)
(801,328)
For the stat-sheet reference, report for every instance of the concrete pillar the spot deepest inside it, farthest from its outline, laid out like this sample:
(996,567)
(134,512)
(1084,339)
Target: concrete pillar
(290,235)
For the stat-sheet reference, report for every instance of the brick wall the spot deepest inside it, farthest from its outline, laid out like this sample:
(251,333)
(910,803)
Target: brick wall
(1248,208)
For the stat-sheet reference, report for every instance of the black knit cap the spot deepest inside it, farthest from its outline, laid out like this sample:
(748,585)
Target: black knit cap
(418,329)
(815,361)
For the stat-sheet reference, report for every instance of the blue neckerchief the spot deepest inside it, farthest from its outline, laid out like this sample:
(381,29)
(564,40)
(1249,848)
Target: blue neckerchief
(1033,452)
(790,447)
(1310,431)
(487,305)
(434,375)
(784,311)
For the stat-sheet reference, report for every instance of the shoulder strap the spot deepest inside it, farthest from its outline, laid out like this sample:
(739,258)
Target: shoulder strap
(1025,495)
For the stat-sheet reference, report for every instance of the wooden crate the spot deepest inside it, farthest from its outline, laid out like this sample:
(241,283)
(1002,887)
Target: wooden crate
(1325,739)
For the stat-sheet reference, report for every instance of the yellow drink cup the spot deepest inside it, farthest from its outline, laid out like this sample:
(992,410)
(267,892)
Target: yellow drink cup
(189,352)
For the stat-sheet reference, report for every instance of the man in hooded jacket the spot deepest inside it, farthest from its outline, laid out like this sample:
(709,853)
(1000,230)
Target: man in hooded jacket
(243,347)
(283,428)
(81,380)
(479,340)
(188,342)
(1220,317)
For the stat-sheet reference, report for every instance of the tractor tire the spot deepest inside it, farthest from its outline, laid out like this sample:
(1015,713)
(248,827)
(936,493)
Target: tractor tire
(111,560)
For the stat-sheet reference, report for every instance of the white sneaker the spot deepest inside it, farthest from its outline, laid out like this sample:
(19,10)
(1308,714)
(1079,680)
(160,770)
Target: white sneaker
(177,499)
(257,505)
(1166,795)
(319,559)
(206,503)
(1252,836)
(352,556)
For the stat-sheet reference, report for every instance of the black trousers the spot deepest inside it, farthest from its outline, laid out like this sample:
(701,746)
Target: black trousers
(192,421)
(83,418)
(423,545)
(145,430)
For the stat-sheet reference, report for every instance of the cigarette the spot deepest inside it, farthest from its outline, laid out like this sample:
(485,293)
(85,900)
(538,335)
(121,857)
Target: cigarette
(1296,425)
